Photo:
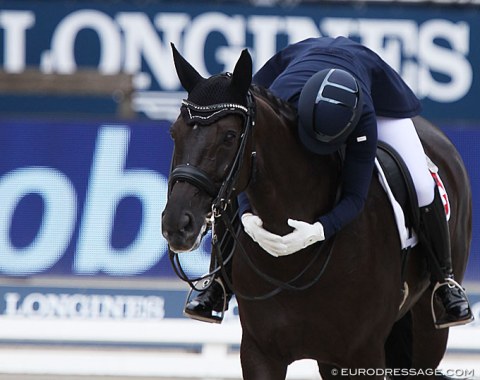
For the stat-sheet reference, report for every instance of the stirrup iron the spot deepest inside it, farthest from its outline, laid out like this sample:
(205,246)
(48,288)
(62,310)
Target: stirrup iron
(199,287)
(450,282)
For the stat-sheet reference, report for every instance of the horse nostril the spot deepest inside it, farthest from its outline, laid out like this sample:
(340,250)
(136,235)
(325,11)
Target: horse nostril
(185,223)
(165,233)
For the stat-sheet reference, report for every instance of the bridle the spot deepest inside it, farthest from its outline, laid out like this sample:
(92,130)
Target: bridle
(221,196)
(196,176)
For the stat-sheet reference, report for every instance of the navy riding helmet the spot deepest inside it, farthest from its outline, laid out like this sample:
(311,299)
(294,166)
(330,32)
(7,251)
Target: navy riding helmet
(329,108)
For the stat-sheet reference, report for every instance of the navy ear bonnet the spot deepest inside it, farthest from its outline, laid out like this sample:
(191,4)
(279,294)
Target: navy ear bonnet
(329,108)
(218,96)
(217,89)
(212,99)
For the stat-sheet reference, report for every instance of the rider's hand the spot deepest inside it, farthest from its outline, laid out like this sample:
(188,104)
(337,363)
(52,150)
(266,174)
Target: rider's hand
(271,243)
(303,235)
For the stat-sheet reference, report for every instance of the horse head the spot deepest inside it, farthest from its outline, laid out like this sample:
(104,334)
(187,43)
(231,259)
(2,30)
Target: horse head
(208,136)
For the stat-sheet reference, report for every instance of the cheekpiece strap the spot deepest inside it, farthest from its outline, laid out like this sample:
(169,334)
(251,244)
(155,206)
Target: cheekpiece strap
(206,115)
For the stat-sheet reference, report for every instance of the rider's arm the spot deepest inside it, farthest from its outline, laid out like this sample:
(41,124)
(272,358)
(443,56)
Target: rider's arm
(243,203)
(356,175)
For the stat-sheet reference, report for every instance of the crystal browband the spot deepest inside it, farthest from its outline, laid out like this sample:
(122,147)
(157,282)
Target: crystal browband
(213,107)
(205,115)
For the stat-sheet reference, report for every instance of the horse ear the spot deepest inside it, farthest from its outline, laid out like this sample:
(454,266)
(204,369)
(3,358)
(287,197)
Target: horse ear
(242,74)
(189,77)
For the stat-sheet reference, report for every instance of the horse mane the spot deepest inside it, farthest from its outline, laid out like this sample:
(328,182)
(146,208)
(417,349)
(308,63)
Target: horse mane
(281,107)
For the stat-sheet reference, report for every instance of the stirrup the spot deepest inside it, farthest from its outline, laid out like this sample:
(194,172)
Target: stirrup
(199,287)
(450,282)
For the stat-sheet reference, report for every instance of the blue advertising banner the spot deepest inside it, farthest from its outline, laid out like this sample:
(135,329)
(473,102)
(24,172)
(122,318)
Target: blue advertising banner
(83,198)
(79,198)
(466,139)
(91,303)
(432,47)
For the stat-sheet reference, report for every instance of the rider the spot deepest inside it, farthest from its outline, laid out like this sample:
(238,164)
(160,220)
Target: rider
(348,97)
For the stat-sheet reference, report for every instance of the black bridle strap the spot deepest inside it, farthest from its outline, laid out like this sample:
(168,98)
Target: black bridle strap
(194,176)
(177,268)
(199,179)
(228,184)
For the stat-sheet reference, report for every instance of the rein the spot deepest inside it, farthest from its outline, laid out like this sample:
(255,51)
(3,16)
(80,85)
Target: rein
(221,195)
(198,178)
(280,285)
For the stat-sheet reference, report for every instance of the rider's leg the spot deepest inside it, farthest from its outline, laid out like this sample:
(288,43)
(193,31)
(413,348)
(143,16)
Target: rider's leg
(209,305)
(402,136)
(434,234)
(434,229)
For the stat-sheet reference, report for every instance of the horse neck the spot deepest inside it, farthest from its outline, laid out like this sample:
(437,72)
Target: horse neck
(288,182)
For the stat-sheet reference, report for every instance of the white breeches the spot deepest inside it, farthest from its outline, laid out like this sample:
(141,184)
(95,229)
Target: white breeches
(402,136)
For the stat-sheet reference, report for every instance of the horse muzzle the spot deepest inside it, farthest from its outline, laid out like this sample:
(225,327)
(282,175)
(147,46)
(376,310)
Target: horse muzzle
(183,233)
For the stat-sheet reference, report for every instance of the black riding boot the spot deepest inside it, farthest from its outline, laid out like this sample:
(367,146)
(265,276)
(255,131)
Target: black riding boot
(210,304)
(435,236)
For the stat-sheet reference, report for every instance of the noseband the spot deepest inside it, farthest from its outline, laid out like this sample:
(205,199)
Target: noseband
(221,196)
(196,176)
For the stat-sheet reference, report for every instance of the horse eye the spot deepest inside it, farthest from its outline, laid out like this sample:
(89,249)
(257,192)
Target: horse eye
(230,137)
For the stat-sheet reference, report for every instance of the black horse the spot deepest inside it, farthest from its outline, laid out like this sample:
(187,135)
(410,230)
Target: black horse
(352,312)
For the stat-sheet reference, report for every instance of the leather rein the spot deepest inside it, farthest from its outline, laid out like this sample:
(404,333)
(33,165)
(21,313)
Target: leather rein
(221,198)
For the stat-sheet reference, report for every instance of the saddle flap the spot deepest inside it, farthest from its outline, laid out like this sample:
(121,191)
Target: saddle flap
(400,182)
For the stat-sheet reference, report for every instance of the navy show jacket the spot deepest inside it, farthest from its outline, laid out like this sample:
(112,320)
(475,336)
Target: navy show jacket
(384,94)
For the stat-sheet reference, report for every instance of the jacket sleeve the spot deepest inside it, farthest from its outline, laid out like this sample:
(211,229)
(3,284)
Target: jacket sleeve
(356,175)
(243,203)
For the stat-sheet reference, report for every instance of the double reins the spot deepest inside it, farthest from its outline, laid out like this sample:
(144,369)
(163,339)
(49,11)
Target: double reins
(281,285)
(222,196)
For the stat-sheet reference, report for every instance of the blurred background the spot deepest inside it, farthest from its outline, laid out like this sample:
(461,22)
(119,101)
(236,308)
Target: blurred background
(87,94)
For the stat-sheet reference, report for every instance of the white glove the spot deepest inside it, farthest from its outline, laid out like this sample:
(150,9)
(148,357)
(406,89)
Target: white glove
(303,235)
(271,243)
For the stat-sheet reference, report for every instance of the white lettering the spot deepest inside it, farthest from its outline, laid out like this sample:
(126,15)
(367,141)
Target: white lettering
(432,57)
(84,306)
(53,236)
(232,29)
(448,60)
(11,303)
(264,30)
(15,24)
(300,28)
(35,305)
(141,40)
(394,40)
(414,53)
(339,26)
(65,35)
(109,183)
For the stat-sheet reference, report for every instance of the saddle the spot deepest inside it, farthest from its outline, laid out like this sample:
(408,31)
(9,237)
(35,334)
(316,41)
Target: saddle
(398,184)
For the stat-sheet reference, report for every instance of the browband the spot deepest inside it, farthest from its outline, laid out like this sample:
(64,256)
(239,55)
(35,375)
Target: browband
(206,115)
